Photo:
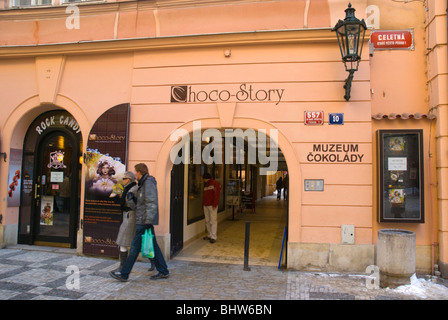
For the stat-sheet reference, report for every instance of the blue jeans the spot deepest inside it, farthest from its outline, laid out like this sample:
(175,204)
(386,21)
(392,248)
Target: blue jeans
(135,250)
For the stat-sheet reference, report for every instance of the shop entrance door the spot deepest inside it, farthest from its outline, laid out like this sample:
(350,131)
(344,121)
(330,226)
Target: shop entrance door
(177,208)
(56,200)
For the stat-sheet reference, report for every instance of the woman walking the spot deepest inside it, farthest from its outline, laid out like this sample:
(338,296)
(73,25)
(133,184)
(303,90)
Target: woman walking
(127,205)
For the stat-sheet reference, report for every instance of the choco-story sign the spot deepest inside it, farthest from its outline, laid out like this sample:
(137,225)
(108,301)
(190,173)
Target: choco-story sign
(106,163)
(245,92)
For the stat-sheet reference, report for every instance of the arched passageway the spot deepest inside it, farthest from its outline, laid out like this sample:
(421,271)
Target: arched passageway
(267,215)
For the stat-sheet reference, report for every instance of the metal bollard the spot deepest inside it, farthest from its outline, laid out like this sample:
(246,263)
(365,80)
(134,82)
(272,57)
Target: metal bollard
(246,247)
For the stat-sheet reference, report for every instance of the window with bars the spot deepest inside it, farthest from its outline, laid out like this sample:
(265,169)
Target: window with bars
(32,3)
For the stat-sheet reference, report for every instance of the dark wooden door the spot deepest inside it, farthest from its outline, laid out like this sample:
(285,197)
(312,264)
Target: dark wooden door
(177,208)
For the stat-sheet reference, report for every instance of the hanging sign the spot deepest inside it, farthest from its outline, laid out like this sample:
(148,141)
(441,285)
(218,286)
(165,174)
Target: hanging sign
(314,117)
(392,39)
(106,163)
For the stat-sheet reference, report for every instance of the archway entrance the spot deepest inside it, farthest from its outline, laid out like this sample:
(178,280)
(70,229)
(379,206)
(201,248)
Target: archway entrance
(248,194)
(51,166)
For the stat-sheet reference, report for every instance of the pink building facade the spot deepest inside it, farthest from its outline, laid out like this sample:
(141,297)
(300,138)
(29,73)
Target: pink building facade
(176,68)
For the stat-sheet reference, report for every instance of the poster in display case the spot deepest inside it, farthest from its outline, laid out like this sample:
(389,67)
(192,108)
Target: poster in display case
(233,192)
(400,163)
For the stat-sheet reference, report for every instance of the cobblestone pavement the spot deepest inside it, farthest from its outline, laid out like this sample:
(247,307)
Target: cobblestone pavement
(49,275)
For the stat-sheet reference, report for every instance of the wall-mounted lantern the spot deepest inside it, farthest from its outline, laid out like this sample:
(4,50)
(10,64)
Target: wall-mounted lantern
(350,33)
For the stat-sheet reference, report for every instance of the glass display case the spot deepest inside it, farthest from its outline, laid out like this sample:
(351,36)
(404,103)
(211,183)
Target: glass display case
(401,194)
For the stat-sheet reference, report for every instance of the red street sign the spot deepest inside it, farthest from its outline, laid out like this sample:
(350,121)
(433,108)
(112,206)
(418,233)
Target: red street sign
(392,39)
(314,117)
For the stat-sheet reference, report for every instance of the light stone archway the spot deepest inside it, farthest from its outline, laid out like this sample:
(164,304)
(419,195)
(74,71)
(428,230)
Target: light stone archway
(164,166)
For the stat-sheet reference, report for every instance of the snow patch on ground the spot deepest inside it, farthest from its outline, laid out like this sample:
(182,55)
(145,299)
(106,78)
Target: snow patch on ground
(425,289)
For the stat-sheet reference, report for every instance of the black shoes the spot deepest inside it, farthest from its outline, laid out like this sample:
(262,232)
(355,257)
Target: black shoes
(159,276)
(210,239)
(118,276)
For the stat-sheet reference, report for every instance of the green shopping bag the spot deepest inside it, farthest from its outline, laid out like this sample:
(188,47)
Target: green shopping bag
(147,244)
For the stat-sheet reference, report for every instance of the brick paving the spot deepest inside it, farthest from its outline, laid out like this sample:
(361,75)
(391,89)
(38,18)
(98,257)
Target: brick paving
(48,275)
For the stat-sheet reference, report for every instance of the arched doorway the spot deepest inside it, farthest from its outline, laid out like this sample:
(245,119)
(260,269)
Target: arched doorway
(50,189)
(246,195)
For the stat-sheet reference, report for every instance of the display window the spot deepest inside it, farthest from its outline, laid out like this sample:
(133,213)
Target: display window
(401,196)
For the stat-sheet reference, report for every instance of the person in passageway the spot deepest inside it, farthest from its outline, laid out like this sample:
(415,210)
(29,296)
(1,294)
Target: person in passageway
(210,201)
(279,186)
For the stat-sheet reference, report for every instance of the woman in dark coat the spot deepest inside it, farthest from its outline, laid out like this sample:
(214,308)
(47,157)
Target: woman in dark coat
(128,205)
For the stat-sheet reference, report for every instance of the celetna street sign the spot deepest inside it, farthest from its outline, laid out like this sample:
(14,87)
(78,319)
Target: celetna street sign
(392,39)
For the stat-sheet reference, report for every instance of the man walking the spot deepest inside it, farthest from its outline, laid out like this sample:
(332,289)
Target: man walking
(210,203)
(146,216)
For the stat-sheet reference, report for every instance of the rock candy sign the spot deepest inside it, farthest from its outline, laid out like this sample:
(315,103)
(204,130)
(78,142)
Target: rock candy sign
(392,39)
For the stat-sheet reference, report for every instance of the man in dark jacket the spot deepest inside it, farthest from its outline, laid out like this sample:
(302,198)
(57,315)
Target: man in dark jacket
(146,216)
(210,203)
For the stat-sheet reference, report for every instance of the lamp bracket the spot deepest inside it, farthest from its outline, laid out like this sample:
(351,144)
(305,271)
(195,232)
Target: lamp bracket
(348,84)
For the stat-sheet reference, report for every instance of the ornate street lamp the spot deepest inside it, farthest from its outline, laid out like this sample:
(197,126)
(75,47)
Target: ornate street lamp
(350,33)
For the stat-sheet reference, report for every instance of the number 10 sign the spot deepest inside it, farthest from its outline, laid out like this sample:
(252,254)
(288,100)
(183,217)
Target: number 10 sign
(336,118)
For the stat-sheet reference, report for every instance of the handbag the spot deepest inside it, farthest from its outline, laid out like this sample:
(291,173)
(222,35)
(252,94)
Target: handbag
(147,250)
